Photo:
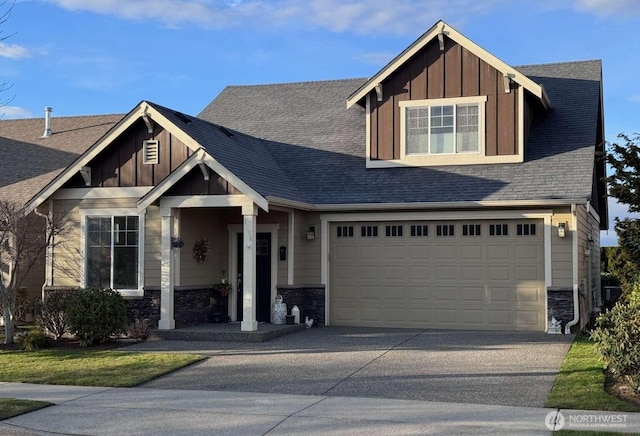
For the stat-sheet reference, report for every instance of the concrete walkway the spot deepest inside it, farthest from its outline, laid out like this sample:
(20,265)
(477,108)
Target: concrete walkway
(121,411)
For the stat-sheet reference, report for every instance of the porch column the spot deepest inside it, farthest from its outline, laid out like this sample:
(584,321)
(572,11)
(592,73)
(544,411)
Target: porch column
(249,322)
(166,273)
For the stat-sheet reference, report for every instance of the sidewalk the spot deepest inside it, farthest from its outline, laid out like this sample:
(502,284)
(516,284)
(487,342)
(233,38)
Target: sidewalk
(118,411)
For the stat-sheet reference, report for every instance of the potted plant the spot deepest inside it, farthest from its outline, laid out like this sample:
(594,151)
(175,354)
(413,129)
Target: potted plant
(223,288)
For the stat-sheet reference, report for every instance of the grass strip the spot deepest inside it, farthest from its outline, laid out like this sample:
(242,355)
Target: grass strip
(10,407)
(89,367)
(580,383)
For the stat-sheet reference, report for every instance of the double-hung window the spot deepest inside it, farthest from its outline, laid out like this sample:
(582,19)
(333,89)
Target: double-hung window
(443,126)
(112,256)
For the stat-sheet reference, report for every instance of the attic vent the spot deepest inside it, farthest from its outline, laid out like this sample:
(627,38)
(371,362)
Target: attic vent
(225,131)
(185,119)
(150,152)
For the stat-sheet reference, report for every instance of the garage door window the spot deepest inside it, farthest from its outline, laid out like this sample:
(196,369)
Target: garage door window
(526,229)
(345,232)
(445,230)
(420,230)
(471,230)
(394,231)
(498,230)
(369,231)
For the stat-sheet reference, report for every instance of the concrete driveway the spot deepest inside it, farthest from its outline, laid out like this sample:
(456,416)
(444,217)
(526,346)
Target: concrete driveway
(494,368)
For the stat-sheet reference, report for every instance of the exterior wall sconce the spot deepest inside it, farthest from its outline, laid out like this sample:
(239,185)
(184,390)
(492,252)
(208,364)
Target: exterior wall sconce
(589,246)
(311,234)
(562,230)
(283,253)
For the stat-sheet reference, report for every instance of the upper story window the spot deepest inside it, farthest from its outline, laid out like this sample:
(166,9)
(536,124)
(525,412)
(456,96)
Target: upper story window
(443,128)
(446,129)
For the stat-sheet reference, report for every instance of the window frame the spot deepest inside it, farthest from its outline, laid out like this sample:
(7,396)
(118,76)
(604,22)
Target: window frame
(85,214)
(429,158)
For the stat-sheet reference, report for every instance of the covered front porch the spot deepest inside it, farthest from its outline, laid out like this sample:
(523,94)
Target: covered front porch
(226,332)
(208,241)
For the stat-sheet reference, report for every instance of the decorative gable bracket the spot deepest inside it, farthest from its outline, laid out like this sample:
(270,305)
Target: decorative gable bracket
(85,172)
(205,170)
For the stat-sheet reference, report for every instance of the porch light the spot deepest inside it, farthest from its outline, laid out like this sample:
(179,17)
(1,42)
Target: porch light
(311,234)
(562,230)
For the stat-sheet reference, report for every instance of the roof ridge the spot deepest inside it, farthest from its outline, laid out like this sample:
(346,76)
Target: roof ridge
(65,117)
(303,82)
(558,63)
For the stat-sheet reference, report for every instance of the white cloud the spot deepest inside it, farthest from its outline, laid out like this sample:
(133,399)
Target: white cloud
(9,112)
(360,16)
(13,51)
(624,8)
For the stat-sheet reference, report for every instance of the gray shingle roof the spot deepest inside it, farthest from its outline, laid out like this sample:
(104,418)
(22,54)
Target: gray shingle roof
(320,146)
(29,162)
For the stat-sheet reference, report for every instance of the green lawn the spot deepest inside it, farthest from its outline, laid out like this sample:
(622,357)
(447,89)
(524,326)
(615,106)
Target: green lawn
(580,383)
(88,367)
(10,407)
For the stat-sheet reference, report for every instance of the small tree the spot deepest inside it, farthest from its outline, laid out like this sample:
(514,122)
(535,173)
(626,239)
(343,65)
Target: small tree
(23,241)
(624,184)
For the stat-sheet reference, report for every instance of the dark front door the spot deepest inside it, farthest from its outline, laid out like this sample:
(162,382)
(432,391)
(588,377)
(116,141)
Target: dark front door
(263,277)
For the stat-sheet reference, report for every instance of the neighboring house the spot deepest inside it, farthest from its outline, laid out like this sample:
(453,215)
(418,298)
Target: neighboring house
(451,190)
(29,160)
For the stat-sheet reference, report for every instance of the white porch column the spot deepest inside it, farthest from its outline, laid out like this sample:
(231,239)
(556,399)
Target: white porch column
(166,273)
(249,322)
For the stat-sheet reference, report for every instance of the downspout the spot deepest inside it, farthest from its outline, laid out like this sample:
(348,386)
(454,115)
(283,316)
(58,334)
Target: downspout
(48,271)
(576,297)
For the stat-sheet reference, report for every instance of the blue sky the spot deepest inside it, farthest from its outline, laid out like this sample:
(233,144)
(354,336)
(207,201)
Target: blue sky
(104,56)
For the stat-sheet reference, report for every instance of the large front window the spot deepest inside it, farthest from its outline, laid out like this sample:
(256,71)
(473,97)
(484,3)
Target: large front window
(112,252)
(443,129)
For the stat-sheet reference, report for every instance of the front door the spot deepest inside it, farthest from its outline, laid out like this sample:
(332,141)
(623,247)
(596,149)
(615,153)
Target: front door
(263,277)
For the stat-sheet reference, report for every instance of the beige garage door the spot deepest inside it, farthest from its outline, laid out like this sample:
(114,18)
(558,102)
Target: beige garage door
(461,274)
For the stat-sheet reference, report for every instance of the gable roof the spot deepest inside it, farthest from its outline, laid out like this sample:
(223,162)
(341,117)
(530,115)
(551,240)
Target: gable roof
(320,145)
(439,30)
(29,162)
(239,158)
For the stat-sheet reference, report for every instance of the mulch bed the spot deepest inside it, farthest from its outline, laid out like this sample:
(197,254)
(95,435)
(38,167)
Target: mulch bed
(621,389)
(65,343)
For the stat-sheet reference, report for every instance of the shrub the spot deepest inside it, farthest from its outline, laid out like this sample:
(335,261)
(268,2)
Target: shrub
(53,313)
(96,314)
(35,340)
(617,336)
(139,329)
(23,304)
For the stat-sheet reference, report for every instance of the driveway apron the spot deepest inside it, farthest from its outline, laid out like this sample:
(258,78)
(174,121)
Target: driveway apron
(495,368)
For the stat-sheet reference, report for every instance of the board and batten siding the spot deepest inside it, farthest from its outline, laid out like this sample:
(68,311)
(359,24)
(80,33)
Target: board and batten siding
(121,163)
(454,72)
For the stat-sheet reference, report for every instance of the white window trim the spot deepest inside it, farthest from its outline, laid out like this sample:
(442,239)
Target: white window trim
(444,158)
(92,213)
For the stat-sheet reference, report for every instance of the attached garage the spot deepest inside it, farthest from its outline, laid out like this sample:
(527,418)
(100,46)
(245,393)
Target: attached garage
(435,274)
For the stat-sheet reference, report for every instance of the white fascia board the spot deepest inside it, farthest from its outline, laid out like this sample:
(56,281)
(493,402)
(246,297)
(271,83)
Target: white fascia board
(236,182)
(447,205)
(437,216)
(101,193)
(456,36)
(205,201)
(142,110)
(85,158)
(171,180)
(289,204)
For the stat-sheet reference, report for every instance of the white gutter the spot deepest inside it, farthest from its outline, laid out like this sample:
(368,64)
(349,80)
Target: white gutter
(576,297)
